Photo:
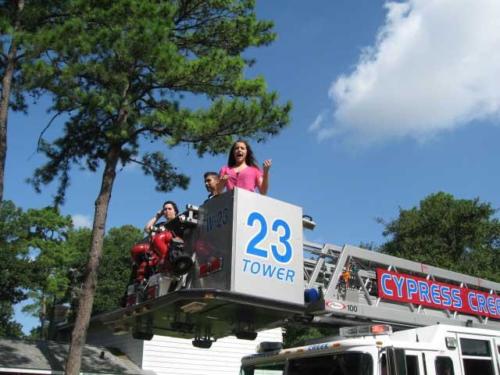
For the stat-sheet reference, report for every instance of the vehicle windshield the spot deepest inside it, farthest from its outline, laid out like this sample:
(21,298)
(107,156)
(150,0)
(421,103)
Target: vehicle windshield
(335,364)
(266,369)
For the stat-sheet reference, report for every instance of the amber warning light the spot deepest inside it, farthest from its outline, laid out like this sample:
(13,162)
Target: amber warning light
(375,329)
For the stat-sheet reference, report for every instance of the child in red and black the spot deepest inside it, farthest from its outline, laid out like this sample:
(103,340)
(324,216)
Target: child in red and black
(155,252)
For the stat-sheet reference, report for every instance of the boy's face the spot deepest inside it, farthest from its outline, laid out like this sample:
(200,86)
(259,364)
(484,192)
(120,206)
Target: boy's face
(211,183)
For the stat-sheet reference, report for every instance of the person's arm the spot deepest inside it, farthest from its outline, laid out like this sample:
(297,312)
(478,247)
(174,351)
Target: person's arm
(153,221)
(264,180)
(221,184)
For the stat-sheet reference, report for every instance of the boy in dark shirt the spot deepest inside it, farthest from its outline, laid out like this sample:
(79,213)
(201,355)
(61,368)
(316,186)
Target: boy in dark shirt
(211,180)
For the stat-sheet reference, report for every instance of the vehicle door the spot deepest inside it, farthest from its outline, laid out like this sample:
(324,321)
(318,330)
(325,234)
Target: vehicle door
(444,362)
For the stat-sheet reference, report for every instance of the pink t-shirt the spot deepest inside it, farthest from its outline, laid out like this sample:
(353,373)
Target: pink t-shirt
(247,178)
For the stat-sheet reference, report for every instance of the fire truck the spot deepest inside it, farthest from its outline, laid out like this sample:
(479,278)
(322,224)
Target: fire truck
(251,269)
(375,349)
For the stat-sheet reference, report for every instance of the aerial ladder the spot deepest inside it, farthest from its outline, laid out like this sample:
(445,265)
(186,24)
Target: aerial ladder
(252,270)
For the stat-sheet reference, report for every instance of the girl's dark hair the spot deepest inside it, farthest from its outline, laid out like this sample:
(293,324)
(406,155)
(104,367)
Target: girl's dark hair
(173,205)
(250,159)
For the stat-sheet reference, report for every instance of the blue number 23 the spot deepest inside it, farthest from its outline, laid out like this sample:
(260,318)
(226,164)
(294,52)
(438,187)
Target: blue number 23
(253,246)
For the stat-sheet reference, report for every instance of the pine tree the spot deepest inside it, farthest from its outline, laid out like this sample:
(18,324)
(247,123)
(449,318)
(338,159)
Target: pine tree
(123,72)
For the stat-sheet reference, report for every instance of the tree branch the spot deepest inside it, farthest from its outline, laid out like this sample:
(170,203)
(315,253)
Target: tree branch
(45,129)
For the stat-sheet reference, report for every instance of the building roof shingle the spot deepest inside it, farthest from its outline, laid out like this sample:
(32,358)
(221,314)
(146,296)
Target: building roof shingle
(49,357)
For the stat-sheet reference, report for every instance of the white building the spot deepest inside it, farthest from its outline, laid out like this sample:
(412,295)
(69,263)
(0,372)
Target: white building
(174,356)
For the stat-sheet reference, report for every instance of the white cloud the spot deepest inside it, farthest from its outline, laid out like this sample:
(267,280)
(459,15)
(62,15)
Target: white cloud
(81,221)
(318,122)
(434,67)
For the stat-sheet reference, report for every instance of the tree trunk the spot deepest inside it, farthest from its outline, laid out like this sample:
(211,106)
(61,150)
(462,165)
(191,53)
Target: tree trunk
(86,299)
(43,317)
(5,95)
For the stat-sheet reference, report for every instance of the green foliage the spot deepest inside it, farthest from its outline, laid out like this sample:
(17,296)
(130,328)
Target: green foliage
(16,24)
(28,240)
(25,239)
(65,268)
(114,270)
(35,333)
(76,249)
(8,327)
(457,234)
(49,280)
(126,70)
(297,335)
(14,261)
(10,28)
(115,267)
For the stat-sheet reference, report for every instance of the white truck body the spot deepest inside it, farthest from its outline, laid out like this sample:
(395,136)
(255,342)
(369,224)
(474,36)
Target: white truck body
(434,350)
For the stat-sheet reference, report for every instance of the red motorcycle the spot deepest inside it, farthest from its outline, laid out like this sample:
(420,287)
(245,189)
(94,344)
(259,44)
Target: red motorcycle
(158,262)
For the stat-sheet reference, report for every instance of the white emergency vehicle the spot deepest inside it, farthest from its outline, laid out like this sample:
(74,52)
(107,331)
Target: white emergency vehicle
(376,350)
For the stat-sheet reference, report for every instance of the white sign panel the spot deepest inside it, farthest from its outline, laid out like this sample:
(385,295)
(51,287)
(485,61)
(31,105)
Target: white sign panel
(267,248)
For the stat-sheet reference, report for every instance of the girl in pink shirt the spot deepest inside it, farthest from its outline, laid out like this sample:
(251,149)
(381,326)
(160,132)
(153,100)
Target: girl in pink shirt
(242,170)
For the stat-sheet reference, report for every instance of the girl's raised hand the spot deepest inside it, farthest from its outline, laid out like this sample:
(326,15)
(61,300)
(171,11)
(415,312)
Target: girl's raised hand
(267,165)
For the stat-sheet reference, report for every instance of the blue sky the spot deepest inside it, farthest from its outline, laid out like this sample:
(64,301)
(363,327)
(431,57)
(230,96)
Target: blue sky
(391,102)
